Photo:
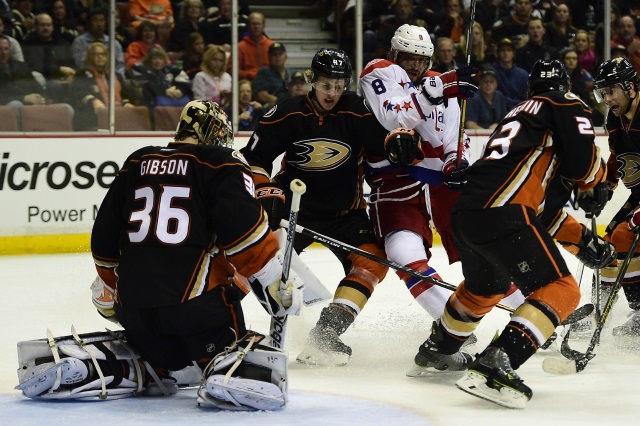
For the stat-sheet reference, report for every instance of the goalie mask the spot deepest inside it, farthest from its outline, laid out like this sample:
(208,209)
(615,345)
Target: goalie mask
(618,71)
(206,122)
(546,76)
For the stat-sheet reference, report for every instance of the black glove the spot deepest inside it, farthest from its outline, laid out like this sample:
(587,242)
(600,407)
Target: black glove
(272,199)
(594,256)
(593,200)
(451,84)
(454,174)
(402,146)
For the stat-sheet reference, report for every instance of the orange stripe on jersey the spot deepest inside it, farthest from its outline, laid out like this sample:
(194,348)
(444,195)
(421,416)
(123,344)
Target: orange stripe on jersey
(570,231)
(528,182)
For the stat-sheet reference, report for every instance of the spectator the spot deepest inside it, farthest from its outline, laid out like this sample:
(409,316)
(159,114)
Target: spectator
(250,111)
(586,55)
(17,85)
(489,12)
(97,27)
(618,51)
(64,24)
(376,42)
(191,17)
(253,49)
(22,19)
(626,36)
(581,84)
(146,36)
(159,12)
(445,55)
(536,48)
(598,38)
(213,83)
(193,54)
(560,30)
(16,49)
(515,25)
(162,84)
(124,32)
(487,110)
(512,80)
(296,86)
(270,81)
(217,30)
(453,25)
(91,88)
(50,56)
(478,47)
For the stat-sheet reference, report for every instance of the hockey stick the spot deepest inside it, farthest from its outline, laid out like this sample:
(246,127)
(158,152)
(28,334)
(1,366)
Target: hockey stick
(577,315)
(594,231)
(278,326)
(463,103)
(577,361)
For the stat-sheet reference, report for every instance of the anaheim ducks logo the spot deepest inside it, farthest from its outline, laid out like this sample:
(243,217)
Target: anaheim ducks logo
(320,154)
(629,169)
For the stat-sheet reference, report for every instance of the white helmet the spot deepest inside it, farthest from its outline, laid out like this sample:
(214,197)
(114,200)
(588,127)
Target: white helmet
(412,39)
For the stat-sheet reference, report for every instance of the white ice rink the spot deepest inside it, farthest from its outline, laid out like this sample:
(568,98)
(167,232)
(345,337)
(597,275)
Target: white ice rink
(52,291)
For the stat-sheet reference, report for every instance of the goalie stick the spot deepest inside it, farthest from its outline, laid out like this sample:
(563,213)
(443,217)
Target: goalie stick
(278,326)
(577,315)
(576,361)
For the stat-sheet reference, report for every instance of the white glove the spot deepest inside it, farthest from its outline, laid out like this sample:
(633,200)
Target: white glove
(102,297)
(276,299)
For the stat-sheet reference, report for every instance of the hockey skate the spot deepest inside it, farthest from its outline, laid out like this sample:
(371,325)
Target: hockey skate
(324,347)
(430,357)
(491,377)
(631,328)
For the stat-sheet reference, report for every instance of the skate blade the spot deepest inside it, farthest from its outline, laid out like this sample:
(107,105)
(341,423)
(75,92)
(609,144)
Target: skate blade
(419,371)
(476,384)
(316,357)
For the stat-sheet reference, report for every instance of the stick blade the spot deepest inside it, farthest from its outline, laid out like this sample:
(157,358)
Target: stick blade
(559,366)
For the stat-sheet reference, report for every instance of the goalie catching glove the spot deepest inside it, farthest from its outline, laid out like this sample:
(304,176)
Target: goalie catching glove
(403,146)
(272,198)
(276,299)
(454,175)
(593,256)
(458,83)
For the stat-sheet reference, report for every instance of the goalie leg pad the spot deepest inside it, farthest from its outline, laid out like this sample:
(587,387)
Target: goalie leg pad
(247,376)
(70,367)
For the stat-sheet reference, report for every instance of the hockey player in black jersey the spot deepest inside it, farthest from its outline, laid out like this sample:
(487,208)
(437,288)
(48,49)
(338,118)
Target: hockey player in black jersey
(501,239)
(176,224)
(617,84)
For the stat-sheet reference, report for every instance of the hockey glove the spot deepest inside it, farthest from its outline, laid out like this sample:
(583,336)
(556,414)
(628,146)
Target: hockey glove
(634,219)
(594,257)
(102,297)
(272,199)
(403,146)
(593,200)
(451,84)
(454,174)
(266,285)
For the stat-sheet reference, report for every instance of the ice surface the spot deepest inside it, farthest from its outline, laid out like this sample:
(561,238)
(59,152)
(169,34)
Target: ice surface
(52,291)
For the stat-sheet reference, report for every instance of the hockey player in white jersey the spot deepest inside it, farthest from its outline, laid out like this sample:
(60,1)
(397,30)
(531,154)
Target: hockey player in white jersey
(422,184)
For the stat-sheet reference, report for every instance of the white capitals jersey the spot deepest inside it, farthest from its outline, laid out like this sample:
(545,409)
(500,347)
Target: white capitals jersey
(397,102)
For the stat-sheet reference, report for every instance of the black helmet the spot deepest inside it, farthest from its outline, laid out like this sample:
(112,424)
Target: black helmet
(612,72)
(330,63)
(546,76)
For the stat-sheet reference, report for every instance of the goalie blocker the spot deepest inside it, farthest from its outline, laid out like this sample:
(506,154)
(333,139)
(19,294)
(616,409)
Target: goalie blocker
(98,366)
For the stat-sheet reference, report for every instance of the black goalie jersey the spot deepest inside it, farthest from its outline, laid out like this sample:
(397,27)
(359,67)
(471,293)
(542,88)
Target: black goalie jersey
(525,152)
(324,151)
(173,217)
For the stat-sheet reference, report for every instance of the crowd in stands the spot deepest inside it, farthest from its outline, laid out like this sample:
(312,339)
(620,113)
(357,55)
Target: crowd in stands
(166,53)
(169,52)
